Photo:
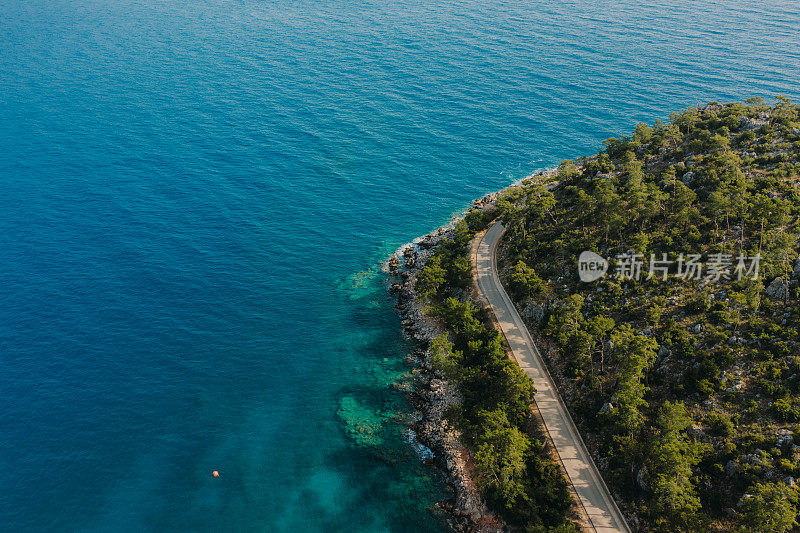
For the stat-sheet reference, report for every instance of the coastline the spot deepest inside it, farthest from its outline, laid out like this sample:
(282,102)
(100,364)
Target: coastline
(431,394)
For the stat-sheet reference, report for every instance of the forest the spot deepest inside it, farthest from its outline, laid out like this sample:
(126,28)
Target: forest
(681,364)
(518,478)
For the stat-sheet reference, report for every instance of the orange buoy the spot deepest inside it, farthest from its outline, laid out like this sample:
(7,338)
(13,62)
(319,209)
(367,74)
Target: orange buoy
(215,473)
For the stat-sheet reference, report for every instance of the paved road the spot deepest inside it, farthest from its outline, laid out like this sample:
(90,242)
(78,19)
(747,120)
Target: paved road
(600,508)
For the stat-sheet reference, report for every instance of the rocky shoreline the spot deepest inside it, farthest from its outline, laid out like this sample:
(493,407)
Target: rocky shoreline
(431,394)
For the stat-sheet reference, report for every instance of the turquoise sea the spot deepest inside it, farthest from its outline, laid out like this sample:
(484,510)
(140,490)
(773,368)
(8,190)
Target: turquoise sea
(194,200)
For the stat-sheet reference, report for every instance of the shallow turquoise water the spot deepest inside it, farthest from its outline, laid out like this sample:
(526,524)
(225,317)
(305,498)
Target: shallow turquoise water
(195,197)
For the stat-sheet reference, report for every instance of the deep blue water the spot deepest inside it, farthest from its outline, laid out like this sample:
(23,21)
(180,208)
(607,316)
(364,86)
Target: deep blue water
(194,198)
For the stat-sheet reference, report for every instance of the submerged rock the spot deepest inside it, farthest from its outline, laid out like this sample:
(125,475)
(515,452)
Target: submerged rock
(362,424)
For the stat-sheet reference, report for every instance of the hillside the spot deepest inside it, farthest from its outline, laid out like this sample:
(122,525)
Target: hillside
(681,363)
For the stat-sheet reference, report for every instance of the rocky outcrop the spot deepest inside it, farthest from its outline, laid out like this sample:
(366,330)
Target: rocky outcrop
(778,289)
(535,311)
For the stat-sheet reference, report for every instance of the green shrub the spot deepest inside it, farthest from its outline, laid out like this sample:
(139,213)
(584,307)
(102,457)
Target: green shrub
(721,424)
(785,411)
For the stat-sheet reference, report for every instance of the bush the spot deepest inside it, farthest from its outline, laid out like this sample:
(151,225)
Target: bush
(431,278)
(523,281)
(769,508)
(785,411)
(721,424)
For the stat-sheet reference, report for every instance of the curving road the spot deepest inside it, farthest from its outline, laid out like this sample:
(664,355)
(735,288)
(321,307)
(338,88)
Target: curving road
(595,499)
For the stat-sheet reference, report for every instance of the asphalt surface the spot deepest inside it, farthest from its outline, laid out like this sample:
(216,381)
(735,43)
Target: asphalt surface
(599,506)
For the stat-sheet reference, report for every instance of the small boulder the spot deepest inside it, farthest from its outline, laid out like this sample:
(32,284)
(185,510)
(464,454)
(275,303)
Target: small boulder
(731,468)
(743,499)
(534,312)
(778,289)
(641,478)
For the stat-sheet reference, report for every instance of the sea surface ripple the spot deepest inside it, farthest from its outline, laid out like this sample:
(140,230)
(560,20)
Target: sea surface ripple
(194,198)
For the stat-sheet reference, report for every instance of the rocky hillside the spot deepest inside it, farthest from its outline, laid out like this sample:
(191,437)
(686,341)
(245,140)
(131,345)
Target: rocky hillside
(679,354)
